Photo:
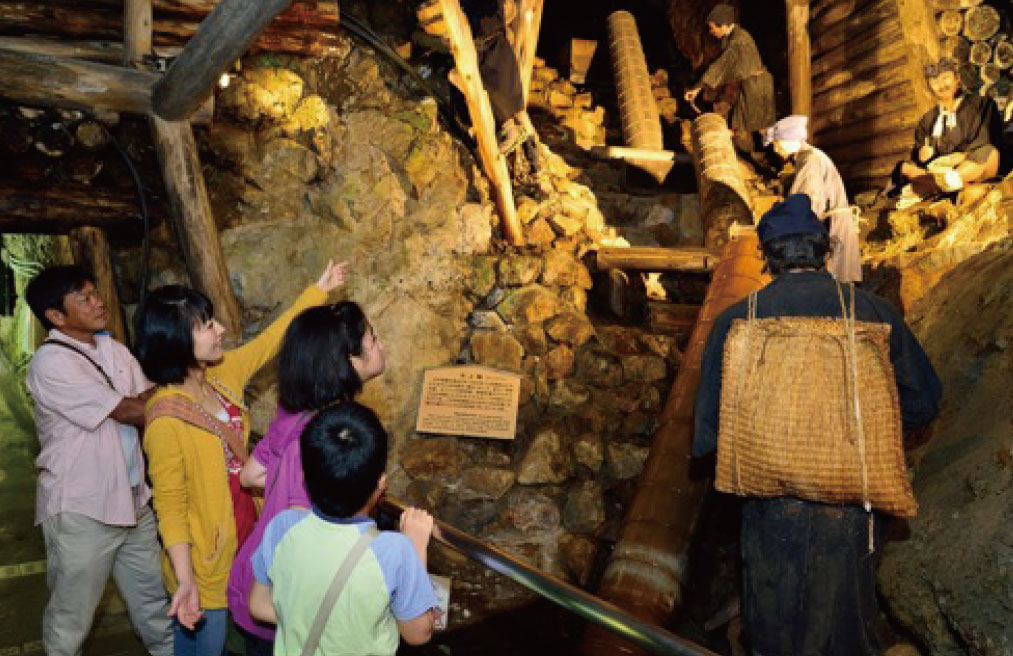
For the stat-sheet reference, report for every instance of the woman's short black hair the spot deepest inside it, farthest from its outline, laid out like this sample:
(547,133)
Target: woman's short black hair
(314,368)
(801,251)
(47,290)
(344,454)
(163,330)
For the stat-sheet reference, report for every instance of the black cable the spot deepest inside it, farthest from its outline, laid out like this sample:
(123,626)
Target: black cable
(444,107)
(146,239)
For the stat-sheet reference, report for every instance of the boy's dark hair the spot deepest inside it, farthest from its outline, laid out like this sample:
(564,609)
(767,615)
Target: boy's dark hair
(801,251)
(344,454)
(163,331)
(47,290)
(314,368)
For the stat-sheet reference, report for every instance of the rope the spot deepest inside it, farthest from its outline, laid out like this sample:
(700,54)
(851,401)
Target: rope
(852,361)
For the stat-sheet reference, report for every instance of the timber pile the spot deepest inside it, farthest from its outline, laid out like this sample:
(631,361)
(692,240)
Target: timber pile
(668,107)
(572,110)
(61,171)
(979,37)
(306,27)
(868,85)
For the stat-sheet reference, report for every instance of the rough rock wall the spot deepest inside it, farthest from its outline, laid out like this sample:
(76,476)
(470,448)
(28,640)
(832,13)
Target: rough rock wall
(950,581)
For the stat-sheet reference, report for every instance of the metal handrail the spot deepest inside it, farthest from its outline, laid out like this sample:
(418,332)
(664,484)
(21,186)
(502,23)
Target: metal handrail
(572,598)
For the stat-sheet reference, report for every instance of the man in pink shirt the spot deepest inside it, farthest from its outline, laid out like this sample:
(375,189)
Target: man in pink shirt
(92,501)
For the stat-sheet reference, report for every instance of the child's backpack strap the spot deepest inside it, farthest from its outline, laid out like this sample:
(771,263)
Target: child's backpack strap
(334,591)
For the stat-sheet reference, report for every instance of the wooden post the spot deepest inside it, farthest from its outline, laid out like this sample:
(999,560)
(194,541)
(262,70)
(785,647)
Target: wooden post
(220,40)
(91,251)
(137,31)
(657,259)
(184,183)
(463,47)
(799,57)
(529,22)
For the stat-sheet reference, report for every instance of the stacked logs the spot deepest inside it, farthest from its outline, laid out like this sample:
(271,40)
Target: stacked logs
(868,91)
(979,38)
(59,170)
(306,27)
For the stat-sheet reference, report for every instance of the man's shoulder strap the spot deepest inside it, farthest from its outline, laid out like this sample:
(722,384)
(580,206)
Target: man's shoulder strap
(84,355)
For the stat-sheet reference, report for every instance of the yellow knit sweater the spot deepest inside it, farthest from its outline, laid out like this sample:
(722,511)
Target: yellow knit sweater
(187,466)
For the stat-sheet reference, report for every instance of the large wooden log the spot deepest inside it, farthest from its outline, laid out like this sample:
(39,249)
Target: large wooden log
(91,251)
(799,57)
(874,126)
(950,23)
(895,98)
(1004,54)
(889,144)
(529,25)
(61,208)
(137,31)
(875,167)
(840,57)
(981,53)
(885,55)
(305,32)
(956,48)
(494,165)
(869,17)
(646,572)
(834,13)
(657,259)
(222,38)
(865,85)
(184,184)
(981,23)
(106,52)
(52,82)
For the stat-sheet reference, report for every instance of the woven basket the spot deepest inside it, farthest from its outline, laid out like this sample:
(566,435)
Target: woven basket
(788,419)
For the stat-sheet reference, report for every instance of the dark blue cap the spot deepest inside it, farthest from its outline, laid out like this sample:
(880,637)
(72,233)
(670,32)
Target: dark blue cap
(793,216)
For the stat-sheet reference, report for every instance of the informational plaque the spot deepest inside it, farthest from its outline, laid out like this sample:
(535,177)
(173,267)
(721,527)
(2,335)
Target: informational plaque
(469,400)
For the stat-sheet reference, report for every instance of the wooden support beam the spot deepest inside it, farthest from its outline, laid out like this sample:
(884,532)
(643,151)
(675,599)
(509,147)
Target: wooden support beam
(91,251)
(640,154)
(884,55)
(865,85)
(874,127)
(69,84)
(106,52)
(529,23)
(59,209)
(799,57)
(137,31)
(221,39)
(896,144)
(657,259)
(184,183)
(669,318)
(918,25)
(462,46)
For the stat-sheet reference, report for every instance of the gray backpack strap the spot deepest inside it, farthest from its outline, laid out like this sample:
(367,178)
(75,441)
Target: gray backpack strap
(337,585)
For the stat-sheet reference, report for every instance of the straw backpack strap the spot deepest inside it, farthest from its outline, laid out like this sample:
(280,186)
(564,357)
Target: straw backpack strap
(188,411)
(334,591)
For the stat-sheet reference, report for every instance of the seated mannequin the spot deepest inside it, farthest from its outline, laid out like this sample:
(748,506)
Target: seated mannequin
(956,142)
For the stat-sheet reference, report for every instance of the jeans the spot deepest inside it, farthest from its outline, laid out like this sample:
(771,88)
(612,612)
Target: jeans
(81,553)
(207,639)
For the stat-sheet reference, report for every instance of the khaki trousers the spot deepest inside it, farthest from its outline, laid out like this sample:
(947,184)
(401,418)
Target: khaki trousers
(80,554)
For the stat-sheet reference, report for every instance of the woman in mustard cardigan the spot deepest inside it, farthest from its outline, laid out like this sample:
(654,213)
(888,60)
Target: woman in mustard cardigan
(195,438)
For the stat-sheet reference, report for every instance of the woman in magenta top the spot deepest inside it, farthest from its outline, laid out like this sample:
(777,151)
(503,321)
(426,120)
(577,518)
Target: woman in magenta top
(327,355)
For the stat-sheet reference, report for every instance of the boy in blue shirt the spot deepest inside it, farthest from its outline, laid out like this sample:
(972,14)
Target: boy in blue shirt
(387,593)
